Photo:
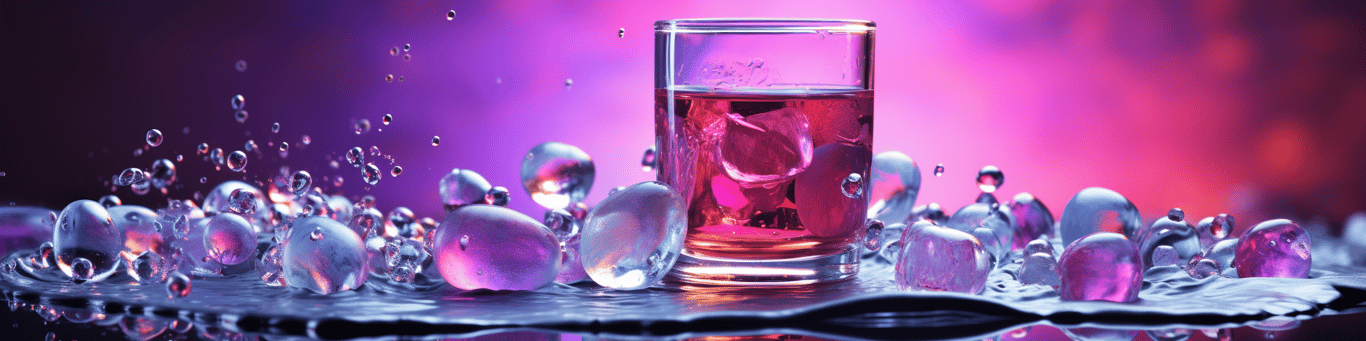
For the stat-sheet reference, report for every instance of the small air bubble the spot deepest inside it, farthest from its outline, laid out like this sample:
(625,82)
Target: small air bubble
(568,82)
(154,137)
(241,65)
(238,102)
(450,15)
(621,33)
(436,140)
(241,116)
(388,118)
(389,78)
(407,47)
(939,170)
(275,128)
(396,171)
(393,51)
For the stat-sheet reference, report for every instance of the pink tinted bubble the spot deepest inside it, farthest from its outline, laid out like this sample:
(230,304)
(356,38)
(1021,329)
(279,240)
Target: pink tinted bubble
(492,247)
(1274,248)
(1102,266)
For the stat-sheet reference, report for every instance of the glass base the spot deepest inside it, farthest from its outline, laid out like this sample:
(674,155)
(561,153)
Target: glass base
(710,271)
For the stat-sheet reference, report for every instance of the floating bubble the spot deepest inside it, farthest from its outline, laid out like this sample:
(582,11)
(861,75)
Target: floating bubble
(450,15)
(179,158)
(436,140)
(177,285)
(237,161)
(989,178)
(238,102)
(387,78)
(472,247)
(939,170)
(138,225)
(229,239)
(220,199)
(356,157)
(396,171)
(631,239)
(497,196)
(130,176)
(203,179)
(1180,235)
(621,33)
(957,263)
(305,140)
(300,182)
(895,186)
(370,173)
(1040,269)
(1100,266)
(148,268)
(852,185)
(335,260)
(203,149)
(557,175)
(1214,229)
(562,224)
(765,148)
(241,116)
(568,82)
(243,201)
(284,149)
(363,125)
(218,157)
(154,137)
(1274,248)
(85,230)
(275,128)
(822,205)
(1098,209)
(374,150)
(647,160)
(162,173)
(393,51)
(241,65)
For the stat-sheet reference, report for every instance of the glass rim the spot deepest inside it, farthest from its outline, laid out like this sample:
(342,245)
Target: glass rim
(764,25)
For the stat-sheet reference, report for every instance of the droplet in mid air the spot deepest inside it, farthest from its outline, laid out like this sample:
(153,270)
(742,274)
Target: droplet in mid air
(436,140)
(362,125)
(240,116)
(275,128)
(202,149)
(374,150)
(632,239)
(237,161)
(407,47)
(154,137)
(471,250)
(130,176)
(568,82)
(621,33)
(557,175)
(300,182)
(356,157)
(939,170)
(388,118)
(396,171)
(238,102)
(241,65)
(370,173)
(647,161)
(177,285)
(450,15)
(462,187)
(393,51)
(989,178)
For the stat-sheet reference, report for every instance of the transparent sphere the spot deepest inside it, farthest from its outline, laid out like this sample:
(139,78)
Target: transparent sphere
(1274,248)
(557,175)
(1213,229)
(766,147)
(462,187)
(1032,219)
(1179,235)
(323,256)
(997,219)
(229,239)
(177,285)
(241,116)
(562,223)
(107,201)
(363,223)
(1102,266)
(300,182)
(989,178)
(243,201)
(154,137)
(473,247)
(237,161)
(498,195)
(130,176)
(935,258)
(85,230)
(895,186)
(822,206)
(238,102)
(138,225)
(370,173)
(356,157)
(220,198)
(162,173)
(1098,209)
(631,240)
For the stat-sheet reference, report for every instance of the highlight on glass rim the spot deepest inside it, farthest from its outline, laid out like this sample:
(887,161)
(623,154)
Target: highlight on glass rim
(528,170)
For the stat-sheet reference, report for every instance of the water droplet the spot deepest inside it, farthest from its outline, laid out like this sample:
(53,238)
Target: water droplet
(1180,235)
(621,33)
(241,65)
(895,185)
(203,179)
(243,201)
(393,51)
(337,181)
(626,231)
(362,126)
(177,285)
(179,158)
(154,137)
(370,173)
(563,224)
(557,175)
(284,149)
(1040,269)
(436,140)
(238,102)
(647,161)
(306,140)
(1101,266)
(406,57)
(450,15)
(407,47)
(1098,209)
(872,237)
(389,78)
(464,242)
(477,237)
(241,116)
(1259,255)
(356,157)
(990,178)
(396,171)
(316,235)
(82,269)
(497,196)
(229,238)
(1176,214)
(324,265)
(852,185)
(300,182)
(388,118)
(939,170)
(275,128)
(250,146)
(237,161)
(217,156)
(203,149)
(130,176)
(463,187)
(958,263)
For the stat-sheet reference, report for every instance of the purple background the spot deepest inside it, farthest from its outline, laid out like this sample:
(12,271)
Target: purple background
(1252,108)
